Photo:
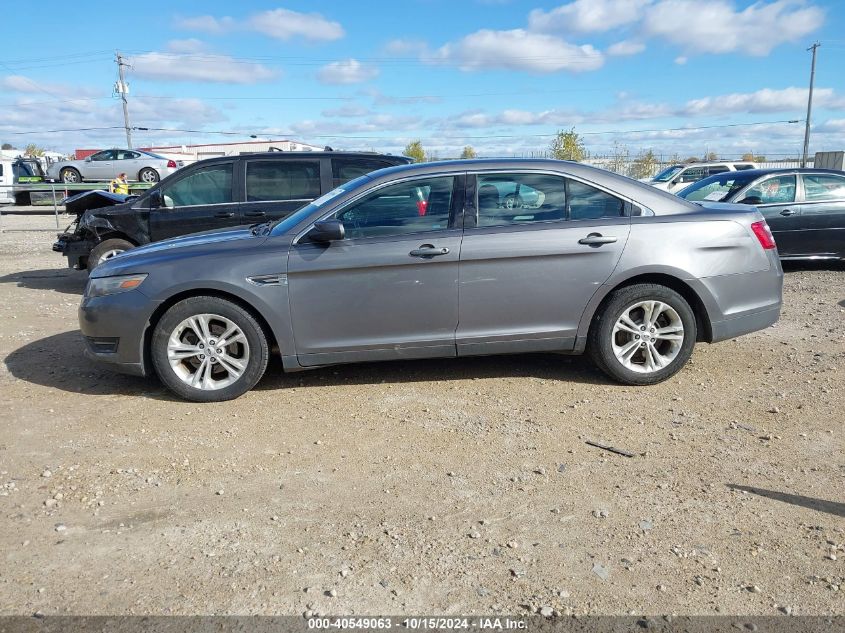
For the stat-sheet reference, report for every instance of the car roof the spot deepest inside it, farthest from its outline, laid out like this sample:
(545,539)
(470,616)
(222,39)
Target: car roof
(331,154)
(652,197)
(715,163)
(785,170)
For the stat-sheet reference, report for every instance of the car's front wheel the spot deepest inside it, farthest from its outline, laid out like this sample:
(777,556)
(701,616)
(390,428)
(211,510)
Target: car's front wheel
(209,349)
(643,334)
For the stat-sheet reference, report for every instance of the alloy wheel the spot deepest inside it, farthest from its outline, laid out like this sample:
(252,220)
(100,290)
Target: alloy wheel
(647,336)
(208,352)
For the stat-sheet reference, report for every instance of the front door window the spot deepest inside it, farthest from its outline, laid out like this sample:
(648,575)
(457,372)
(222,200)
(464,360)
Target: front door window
(209,185)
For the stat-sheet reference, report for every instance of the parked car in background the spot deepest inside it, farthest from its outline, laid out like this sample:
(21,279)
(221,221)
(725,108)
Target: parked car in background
(209,194)
(16,174)
(136,164)
(676,177)
(805,208)
(370,271)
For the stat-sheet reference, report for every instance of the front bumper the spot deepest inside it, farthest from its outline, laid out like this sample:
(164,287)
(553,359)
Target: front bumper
(114,327)
(74,248)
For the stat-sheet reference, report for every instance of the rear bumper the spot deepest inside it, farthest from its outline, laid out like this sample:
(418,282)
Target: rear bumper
(744,324)
(114,327)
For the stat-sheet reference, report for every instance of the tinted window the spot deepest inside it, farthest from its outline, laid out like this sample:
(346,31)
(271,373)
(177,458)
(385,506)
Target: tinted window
(693,174)
(717,170)
(588,203)
(282,180)
(520,198)
(742,167)
(775,190)
(346,169)
(823,187)
(106,155)
(408,207)
(126,155)
(208,185)
(716,188)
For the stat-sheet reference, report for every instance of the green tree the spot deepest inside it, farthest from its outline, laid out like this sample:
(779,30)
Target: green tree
(568,145)
(7,146)
(415,150)
(751,157)
(645,165)
(469,152)
(33,150)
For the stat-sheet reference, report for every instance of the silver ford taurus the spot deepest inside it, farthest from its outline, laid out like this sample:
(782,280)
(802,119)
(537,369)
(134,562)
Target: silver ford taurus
(447,259)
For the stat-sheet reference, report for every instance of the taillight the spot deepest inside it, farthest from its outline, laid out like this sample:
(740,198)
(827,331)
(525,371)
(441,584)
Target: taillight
(171,164)
(764,234)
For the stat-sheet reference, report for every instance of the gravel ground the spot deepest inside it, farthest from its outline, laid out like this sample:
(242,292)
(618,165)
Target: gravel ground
(461,486)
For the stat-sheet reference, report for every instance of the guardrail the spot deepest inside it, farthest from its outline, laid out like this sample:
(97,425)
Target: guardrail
(65,190)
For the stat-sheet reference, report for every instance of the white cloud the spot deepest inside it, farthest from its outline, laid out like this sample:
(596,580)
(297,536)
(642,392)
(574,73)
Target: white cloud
(347,71)
(517,49)
(206,24)
(180,64)
(717,26)
(625,48)
(681,60)
(765,100)
(25,85)
(587,16)
(284,24)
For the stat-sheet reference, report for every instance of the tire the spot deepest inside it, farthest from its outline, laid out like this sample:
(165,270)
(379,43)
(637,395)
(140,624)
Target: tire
(106,250)
(148,174)
(628,351)
(208,377)
(70,176)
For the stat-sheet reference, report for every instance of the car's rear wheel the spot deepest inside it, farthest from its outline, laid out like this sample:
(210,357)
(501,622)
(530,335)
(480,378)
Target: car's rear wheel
(208,349)
(643,334)
(70,176)
(107,249)
(148,174)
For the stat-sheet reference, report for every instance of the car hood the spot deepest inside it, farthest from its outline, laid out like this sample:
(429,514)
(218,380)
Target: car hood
(82,202)
(139,260)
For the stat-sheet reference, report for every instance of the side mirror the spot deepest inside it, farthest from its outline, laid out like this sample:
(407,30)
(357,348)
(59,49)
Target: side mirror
(751,200)
(87,159)
(155,198)
(327,231)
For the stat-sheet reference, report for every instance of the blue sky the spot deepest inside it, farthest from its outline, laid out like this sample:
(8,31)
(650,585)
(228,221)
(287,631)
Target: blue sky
(495,74)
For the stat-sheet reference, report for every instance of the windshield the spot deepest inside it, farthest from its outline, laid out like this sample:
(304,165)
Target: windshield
(718,188)
(667,174)
(280,227)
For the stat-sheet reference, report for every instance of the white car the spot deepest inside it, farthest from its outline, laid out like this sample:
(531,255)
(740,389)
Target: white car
(676,177)
(136,164)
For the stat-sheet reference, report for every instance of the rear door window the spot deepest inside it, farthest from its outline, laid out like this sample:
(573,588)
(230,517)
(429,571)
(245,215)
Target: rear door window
(520,198)
(819,187)
(282,180)
(586,202)
(346,169)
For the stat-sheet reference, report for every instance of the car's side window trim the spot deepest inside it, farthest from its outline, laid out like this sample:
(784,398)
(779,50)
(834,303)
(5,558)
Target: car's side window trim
(309,224)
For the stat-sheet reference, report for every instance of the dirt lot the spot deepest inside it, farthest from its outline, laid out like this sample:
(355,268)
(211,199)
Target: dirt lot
(421,487)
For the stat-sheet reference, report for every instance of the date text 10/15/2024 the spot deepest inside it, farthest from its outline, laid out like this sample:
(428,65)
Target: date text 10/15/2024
(420,623)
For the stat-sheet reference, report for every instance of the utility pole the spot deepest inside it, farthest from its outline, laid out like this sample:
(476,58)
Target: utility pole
(809,106)
(123,89)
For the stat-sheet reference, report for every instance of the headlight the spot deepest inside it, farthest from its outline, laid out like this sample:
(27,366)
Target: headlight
(99,286)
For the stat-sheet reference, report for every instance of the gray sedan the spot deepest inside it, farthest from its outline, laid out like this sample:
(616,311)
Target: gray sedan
(429,260)
(106,165)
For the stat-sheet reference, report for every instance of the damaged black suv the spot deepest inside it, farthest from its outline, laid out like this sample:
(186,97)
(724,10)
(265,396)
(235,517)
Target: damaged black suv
(210,194)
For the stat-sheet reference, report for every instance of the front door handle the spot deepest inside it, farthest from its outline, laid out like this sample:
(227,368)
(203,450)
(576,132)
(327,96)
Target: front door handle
(429,250)
(787,212)
(255,214)
(224,214)
(597,239)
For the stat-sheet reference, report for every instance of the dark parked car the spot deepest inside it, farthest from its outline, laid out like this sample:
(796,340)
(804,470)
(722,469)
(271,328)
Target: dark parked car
(210,194)
(431,261)
(805,208)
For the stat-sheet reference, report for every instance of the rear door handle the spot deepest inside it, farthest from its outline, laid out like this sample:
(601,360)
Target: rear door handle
(428,250)
(224,214)
(787,212)
(255,214)
(597,239)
